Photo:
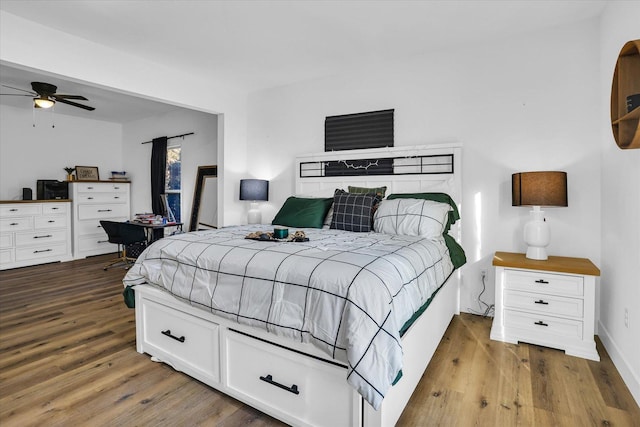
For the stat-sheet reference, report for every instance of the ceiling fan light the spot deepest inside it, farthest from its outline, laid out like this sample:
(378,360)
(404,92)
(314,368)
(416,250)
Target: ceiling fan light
(43,102)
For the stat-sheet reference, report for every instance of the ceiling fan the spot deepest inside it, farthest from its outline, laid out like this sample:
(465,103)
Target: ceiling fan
(45,96)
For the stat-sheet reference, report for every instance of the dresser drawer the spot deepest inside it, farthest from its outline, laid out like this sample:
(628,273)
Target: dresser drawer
(531,324)
(186,341)
(6,256)
(92,226)
(548,283)
(19,210)
(6,241)
(313,392)
(546,304)
(96,242)
(100,187)
(102,211)
(102,197)
(45,251)
(16,224)
(44,237)
(55,208)
(50,221)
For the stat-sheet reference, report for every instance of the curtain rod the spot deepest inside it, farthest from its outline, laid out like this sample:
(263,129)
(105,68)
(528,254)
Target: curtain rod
(171,137)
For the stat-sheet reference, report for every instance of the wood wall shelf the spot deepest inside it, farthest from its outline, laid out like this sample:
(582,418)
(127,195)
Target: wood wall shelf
(626,81)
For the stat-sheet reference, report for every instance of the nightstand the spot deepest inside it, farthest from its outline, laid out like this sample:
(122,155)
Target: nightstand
(549,303)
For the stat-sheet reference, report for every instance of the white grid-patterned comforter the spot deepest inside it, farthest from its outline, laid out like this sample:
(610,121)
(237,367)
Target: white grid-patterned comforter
(347,293)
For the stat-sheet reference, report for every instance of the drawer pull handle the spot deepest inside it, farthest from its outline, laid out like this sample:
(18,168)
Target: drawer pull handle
(541,302)
(104,210)
(14,223)
(542,282)
(89,198)
(89,188)
(103,241)
(269,379)
(54,209)
(13,210)
(45,250)
(541,323)
(42,237)
(168,333)
(51,221)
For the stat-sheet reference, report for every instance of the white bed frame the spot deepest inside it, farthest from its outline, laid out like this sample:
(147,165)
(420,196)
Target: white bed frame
(224,354)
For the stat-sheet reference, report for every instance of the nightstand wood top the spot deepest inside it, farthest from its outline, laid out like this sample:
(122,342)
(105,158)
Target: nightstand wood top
(554,263)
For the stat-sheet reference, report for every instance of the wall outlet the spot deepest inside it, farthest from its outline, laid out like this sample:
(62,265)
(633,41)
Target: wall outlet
(626,317)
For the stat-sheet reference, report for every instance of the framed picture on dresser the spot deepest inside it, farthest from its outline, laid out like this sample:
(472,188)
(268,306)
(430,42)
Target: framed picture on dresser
(87,173)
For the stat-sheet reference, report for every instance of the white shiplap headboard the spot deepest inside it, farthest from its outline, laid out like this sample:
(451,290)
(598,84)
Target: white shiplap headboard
(413,182)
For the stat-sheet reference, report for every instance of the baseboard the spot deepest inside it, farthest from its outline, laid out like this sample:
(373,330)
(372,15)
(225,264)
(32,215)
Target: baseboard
(622,365)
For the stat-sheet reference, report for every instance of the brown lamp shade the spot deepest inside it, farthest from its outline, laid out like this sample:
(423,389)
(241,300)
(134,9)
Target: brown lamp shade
(539,189)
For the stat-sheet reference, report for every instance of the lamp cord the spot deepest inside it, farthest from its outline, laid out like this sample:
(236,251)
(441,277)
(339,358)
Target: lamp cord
(488,308)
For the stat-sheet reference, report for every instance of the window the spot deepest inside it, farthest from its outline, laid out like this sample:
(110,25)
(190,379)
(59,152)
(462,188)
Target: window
(173,186)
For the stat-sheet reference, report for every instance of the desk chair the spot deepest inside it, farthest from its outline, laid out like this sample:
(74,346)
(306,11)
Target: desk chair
(123,234)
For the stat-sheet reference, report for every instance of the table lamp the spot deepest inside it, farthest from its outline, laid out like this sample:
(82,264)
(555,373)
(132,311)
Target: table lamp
(254,190)
(538,189)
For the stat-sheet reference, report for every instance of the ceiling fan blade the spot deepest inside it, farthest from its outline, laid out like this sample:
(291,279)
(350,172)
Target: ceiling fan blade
(16,94)
(59,96)
(75,104)
(23,90)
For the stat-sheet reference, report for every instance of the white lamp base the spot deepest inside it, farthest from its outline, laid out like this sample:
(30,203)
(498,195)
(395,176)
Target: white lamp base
(537,235)
(254,216)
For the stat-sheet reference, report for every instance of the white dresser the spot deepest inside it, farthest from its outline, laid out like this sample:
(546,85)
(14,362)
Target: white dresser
(34,232)
(94,201)
(549,303)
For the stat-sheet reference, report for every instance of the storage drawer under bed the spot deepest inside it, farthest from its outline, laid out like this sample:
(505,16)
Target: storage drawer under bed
(314,392)
(186,342)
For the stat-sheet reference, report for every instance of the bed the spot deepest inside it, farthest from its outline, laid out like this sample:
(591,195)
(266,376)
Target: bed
(332,329)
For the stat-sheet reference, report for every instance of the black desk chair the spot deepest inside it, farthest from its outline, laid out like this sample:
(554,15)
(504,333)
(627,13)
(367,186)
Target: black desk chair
(124,234)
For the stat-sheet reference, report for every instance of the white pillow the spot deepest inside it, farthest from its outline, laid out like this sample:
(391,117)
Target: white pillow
(411,217)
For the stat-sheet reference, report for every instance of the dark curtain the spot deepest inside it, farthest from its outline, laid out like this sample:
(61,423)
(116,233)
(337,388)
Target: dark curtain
(158,172)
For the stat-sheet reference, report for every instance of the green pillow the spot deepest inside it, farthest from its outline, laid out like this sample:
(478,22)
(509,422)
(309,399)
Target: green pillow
(436,197)
(303,212)
(378,191)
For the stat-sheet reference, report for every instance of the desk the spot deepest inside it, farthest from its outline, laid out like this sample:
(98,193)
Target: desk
(156,231)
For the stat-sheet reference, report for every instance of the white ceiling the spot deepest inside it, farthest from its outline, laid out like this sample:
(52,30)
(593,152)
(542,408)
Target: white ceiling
(259,44)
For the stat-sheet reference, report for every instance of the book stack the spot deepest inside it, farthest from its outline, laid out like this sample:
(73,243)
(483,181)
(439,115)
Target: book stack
(148,218)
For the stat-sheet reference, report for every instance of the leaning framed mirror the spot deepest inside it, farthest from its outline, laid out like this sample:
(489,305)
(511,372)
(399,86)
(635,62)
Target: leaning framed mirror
(204,210)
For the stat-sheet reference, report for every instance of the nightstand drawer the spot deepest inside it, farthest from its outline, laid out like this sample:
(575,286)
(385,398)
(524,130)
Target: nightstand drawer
(546,304)
(533,324)
(547,283)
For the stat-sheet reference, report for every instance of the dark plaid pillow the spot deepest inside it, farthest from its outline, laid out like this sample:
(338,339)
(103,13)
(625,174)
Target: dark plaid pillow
(353,212)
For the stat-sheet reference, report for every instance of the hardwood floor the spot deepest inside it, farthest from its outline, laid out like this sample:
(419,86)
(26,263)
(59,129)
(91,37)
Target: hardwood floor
(68,358)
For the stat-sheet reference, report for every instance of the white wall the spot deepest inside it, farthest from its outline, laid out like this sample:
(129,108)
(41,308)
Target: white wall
(27,44)
(29,153)
(620,283)
(522,104)
(199,149)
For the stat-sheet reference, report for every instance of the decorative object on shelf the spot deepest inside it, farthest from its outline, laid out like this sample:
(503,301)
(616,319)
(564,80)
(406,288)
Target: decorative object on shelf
(69,171)
(625,97)
(254,190)
(538,189)
(87,173)
(118,176)
(633,102)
